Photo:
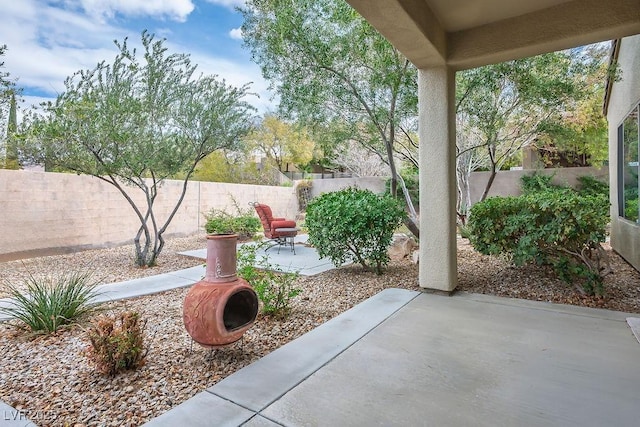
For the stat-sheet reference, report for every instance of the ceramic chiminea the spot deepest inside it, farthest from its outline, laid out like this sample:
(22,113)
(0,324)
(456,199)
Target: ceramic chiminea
(220,308)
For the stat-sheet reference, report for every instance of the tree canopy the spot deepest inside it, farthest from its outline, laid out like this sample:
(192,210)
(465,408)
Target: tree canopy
(502,108)
(329,65)
(281,142)
(137,121)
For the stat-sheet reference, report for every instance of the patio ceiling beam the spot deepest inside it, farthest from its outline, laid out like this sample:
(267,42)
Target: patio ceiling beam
(415,29)
(563,26)
(410,25)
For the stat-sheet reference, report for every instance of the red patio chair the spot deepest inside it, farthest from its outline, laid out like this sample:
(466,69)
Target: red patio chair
(279,230)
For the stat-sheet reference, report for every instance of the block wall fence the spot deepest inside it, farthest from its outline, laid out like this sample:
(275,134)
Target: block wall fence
(52,213)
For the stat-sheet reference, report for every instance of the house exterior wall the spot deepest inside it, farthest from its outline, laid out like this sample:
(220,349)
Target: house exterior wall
(48,213)
(625,94)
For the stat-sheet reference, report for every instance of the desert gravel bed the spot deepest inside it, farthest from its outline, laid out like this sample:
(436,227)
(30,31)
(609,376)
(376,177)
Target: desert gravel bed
(50,378)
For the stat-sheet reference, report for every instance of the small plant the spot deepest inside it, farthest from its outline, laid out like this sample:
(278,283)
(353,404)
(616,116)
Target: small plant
(244,223)
(353,224)
(117,343)
(274,289)
(51,302)
(464,231)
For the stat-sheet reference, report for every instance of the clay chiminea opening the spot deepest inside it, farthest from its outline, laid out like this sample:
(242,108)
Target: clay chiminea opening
(240,310)
(220,308)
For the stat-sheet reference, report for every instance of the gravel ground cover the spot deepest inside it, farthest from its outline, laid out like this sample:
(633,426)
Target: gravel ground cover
(52,381)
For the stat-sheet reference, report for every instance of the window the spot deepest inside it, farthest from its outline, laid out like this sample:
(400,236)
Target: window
(628,166)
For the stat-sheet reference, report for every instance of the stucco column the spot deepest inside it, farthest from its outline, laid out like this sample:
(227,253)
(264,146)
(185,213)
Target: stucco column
(437,132)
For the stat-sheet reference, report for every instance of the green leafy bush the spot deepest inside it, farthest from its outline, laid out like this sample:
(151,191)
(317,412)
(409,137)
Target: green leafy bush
(561,228)
(537,182)
(117,343)
(245,224)
(353,224)
(51,302)
(591,186)
(274,289)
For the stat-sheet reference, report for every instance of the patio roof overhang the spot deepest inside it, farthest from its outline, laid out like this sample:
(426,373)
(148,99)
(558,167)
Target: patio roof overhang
(470,33)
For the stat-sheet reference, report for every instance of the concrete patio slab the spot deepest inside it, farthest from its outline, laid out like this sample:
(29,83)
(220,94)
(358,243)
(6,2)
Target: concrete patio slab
(204,409)
(10,417)
(634,324)
(475,360)
(452,361)
(306,260)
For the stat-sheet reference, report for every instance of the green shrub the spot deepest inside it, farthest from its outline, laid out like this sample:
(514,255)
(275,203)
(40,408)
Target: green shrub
(274,289)
(353,224)
(561,228)
(591,186)
(244,224)
(49,303)
(117,343)
(631,209)
(537,182)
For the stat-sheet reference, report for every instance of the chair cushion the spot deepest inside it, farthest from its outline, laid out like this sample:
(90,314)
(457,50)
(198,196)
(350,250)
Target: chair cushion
(283,224)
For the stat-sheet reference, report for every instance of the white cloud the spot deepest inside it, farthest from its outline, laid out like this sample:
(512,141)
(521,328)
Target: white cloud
(236,33)
(228,3)
(173,9)
(46,44)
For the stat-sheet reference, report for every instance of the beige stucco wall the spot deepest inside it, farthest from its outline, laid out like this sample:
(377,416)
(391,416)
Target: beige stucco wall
(373,183)
(625,94)
(507,183)
(43,213)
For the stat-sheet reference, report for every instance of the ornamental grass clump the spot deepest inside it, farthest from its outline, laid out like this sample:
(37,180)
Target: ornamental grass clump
(354,224)
(117,343)
(51,302)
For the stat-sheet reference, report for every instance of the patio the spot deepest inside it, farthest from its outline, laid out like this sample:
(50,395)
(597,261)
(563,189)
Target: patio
(411,358)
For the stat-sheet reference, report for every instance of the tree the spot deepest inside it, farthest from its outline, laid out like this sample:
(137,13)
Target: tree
(502,108)
(11,155)
(9,158)
(137,121)
(329,65)
(360,160)
(582,129)
(281,142)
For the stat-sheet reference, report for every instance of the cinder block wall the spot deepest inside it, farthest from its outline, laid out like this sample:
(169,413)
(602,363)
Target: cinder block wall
(507,183)
(46,213)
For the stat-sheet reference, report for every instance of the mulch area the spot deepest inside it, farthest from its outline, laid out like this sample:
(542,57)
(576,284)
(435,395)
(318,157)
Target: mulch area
(490,275)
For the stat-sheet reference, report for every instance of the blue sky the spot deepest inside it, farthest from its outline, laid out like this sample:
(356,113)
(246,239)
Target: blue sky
(48,40)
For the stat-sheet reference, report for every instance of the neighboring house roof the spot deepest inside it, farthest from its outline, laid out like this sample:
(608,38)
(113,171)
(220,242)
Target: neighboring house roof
(613,59)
